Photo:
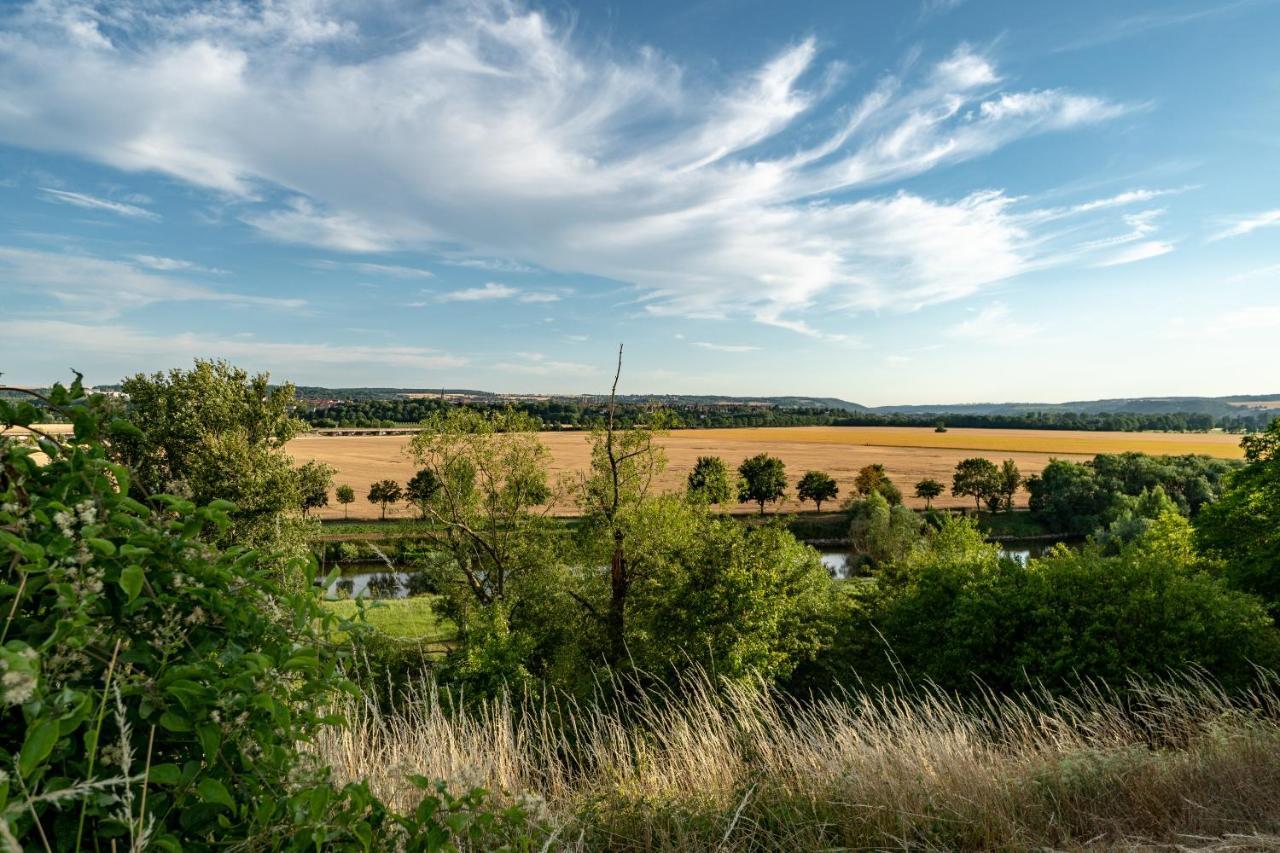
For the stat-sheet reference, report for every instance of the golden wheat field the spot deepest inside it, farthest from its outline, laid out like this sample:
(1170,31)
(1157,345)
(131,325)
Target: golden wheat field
(909,454)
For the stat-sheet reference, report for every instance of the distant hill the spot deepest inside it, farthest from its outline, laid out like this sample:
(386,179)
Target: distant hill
(1216,406)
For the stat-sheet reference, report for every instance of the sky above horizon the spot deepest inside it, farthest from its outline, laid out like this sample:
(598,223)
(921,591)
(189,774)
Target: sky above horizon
(937,201)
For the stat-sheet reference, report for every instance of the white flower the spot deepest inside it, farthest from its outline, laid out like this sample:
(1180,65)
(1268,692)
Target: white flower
(19,687)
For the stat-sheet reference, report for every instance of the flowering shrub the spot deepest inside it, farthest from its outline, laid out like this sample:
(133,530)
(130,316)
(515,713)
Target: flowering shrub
(154,686)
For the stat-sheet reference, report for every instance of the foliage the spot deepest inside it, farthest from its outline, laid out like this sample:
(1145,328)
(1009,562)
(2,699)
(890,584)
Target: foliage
(979,479)
(874,478)
(216,433)
(928,489)
(880,532)
(709,480)
(745,601)
(346,496)
(1008,480)
(957,614)
(314,482)
(384,493)
(763,480)
(1243,527)
(156,687)
(817,486)
(421,488)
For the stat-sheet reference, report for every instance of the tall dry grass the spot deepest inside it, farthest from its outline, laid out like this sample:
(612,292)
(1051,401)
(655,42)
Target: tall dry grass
(1174,765)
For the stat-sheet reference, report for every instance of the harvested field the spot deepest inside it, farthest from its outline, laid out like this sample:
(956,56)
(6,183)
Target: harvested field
(908,454)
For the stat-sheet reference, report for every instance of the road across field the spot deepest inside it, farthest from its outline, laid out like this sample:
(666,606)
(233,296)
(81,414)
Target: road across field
(909,454)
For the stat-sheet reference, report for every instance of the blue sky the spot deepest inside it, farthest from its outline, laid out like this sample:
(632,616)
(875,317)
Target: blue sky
(891,202)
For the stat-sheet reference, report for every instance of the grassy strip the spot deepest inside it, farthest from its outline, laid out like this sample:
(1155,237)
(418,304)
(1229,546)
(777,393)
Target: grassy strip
(401,618)
(707,767)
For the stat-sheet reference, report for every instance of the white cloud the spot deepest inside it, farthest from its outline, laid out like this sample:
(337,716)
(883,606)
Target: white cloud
(725,347)
(488,128)
(90,202)
(1138,252)
(143,350)
(156,262)
(537,297)
(107,286)
(1252,319)
(391,270)
(537,364)
(490,290)
(1248,224)
(993,325)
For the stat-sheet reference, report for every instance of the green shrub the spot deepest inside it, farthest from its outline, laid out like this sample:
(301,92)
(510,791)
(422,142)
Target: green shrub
(155,686)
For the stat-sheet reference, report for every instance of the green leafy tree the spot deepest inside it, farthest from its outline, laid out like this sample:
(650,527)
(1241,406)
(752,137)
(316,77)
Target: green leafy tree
(763,479)
(1008,480)
(880,532)
(744,602)
(817,486)
(314,481)
(927,490)
(957,614)
(216,433)
(1243,527)
(346,496)
(709,480)
(976,478)
(624,466)
(422,489)
(384,493)
(874,478)
(1070,497)
(157,687)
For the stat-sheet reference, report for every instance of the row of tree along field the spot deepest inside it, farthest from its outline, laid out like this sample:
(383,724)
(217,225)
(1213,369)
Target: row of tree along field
(569,414)
(172,675)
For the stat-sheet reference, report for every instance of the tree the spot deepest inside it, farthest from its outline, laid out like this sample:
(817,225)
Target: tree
(1069,497)
(314,480)
(216,433)
(763,480)
(874,478)
(421,488)
(881,533)
(1008,481)
(744,602)
(956,614)
(709,480)
(1243,526)
(385,492)
(929,489)
(817,486)
(346,496)
(624,465)
(196,650)
(977,478)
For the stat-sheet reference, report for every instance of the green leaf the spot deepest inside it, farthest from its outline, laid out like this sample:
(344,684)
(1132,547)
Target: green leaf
(165,774)
(131,581)
(39,743)
(213,791)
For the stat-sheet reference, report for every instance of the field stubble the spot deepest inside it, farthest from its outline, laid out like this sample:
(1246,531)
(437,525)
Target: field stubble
(909,455)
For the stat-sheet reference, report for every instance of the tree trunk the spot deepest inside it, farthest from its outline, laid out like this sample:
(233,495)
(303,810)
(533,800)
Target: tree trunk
(615,625)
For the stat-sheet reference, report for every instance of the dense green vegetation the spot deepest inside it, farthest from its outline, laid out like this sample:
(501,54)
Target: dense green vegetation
(171,672)
(576,414)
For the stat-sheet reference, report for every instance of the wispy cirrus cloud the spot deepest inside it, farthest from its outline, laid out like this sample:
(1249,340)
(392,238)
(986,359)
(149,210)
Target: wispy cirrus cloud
(1247,225)
(994,325)
(390,270)
(538,364)
(487,127)
(493,290)
(714,347)
(163,264)
(106,286)
(90,202)
(127,348)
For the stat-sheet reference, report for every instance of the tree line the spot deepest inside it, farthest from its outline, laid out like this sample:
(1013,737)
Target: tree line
(570,414)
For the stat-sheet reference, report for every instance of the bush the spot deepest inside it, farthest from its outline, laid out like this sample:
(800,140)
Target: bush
(155,686)
(959,615)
